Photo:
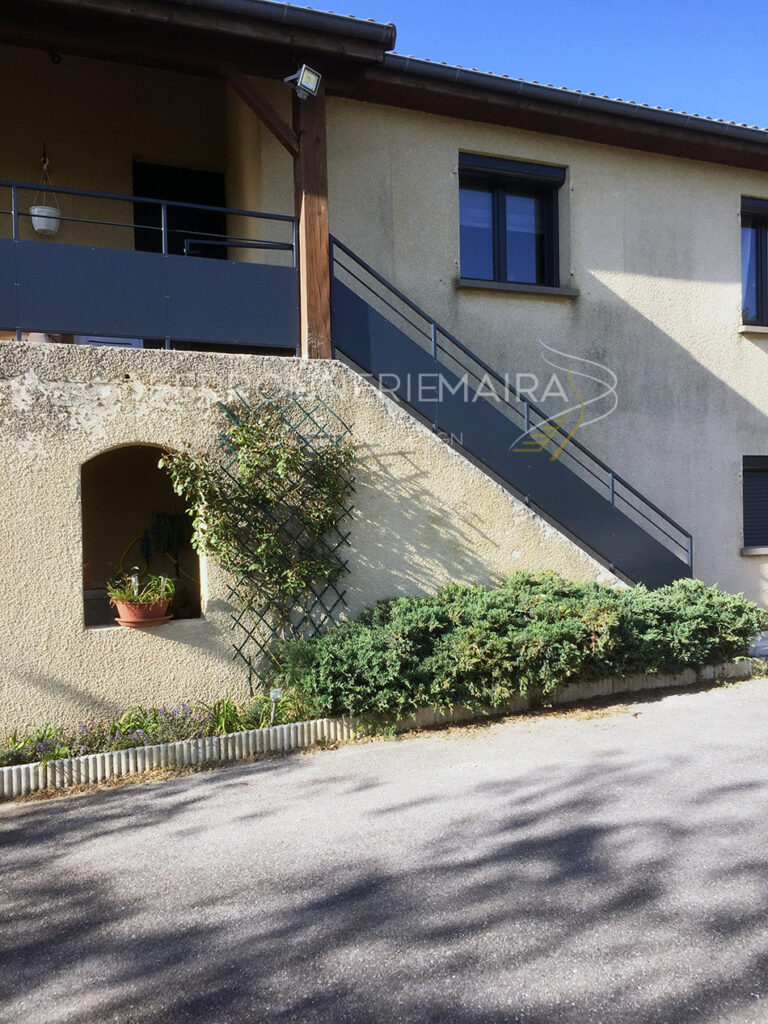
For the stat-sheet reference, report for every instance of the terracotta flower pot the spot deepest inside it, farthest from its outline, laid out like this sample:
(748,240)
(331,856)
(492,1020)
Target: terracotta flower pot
(153,614)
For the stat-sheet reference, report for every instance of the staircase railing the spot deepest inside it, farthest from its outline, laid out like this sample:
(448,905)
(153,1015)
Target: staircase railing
(525,418)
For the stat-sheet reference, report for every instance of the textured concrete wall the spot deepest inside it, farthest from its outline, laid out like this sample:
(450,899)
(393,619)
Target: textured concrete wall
(423,515)
(652,243)
(654,249)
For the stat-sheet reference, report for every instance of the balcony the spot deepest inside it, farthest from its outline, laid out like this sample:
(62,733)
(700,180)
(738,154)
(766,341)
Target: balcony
(147,272)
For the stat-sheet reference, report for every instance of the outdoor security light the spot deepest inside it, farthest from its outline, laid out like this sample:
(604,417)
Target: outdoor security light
(306,82)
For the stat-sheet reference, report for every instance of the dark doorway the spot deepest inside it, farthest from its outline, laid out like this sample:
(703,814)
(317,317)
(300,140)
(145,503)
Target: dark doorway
(191,232)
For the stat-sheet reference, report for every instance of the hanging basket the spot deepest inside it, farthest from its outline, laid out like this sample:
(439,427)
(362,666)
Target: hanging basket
(45,219)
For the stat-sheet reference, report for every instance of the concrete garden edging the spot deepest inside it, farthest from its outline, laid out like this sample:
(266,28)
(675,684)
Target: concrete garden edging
(18,780)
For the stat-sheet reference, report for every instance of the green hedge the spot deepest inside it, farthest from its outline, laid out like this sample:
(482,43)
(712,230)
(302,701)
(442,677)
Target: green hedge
(479,646)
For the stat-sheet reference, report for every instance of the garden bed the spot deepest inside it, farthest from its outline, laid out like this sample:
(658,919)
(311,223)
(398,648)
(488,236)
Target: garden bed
(19,780)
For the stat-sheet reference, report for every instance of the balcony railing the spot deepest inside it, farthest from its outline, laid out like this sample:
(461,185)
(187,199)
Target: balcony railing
(147,270)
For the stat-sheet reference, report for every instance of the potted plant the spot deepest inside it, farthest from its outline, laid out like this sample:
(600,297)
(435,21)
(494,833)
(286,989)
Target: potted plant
(141,599)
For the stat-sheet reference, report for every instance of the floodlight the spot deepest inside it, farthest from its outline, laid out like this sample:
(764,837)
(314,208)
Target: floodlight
(306,82)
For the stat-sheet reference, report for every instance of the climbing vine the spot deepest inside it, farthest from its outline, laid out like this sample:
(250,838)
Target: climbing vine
(268,505)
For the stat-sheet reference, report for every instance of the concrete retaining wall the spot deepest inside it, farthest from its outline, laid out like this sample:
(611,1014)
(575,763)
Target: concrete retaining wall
(423,516)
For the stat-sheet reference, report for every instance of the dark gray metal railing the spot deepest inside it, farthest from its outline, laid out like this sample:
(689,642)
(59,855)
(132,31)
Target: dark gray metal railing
(17,215)
(374,322)
(152,274)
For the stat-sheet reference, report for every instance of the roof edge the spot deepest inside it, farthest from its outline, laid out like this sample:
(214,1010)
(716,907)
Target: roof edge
(382,33)
(562,97)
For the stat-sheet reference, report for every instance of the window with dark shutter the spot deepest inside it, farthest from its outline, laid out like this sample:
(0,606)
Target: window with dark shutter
(755,471)
(508,220)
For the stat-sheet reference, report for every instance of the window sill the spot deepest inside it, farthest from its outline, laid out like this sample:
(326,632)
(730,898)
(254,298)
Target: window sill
(175,623)
(524,289)
(752,552)
(758,329)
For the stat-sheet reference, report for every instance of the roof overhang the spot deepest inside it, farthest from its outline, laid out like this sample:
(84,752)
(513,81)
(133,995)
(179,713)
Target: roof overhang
(195,35)
(471,95)
(268,39)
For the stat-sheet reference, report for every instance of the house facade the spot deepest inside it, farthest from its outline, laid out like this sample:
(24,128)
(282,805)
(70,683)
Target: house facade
(542,314)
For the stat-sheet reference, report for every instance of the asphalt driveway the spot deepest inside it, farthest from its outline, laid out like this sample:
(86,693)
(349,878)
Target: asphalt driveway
(552,870)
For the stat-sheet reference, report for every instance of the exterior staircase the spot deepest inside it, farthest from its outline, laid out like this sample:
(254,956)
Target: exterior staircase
(382,334)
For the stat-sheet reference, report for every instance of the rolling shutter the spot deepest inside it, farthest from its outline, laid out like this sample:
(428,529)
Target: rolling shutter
(755,501)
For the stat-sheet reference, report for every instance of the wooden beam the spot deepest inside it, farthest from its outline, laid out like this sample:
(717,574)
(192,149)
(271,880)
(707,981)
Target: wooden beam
(311,191)
(262,108)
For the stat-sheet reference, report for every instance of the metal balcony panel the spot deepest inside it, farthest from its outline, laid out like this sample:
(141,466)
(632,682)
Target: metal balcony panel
(232,303)
(8,290)
(86,290)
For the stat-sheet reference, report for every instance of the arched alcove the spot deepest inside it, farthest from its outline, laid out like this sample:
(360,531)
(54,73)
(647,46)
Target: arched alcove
(129,512)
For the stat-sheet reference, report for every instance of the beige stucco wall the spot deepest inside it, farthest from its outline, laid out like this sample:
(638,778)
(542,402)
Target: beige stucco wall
(654,249)
(95,118)
(423,516)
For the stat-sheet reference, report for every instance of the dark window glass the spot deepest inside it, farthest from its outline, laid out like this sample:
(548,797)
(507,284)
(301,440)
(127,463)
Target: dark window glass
(525,239)
(754,261)
(755,501)
(191,232)
(508,220)
(476,220)
(749,243)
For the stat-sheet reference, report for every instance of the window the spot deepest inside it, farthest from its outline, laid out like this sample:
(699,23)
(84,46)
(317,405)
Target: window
(755,474)
(508,220)
(754,261)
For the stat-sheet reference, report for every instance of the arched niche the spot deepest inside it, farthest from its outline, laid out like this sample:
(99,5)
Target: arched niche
(125,501)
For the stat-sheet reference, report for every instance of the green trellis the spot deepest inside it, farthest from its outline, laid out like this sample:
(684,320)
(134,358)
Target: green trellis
(256,628)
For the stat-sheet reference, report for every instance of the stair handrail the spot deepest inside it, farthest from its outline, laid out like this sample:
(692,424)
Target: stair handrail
(437,329)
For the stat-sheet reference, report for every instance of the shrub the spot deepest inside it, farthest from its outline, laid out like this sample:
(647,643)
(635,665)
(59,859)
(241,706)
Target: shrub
(479,646)
(470,646)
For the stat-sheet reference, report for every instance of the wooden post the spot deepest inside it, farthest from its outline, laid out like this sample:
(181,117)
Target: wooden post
(311,194)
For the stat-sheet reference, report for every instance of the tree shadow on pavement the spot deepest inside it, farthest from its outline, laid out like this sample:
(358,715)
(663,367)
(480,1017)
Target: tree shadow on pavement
(610,891)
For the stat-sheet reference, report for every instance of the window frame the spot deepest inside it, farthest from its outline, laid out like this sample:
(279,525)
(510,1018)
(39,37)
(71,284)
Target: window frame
(756,212)
(752,499)
(502,178)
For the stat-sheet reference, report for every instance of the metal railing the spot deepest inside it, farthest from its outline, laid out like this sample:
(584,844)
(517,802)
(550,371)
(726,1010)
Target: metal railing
(450,353)
(121,269)
(20,216)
